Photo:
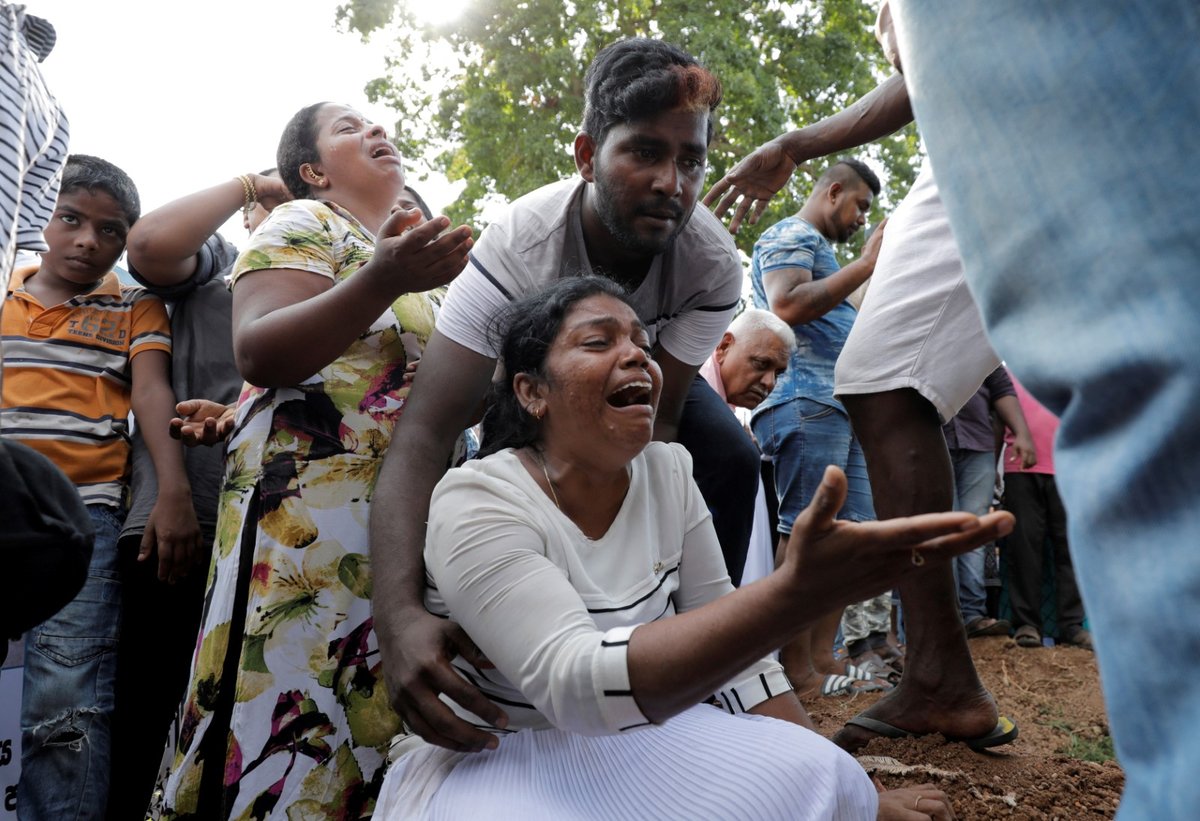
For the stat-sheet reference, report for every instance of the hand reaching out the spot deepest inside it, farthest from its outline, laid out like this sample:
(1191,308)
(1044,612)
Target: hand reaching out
(846,562)
(202,422)
(751,184)
(421,254)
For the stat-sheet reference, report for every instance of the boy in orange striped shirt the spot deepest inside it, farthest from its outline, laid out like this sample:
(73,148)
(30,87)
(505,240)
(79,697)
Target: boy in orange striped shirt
(80,351)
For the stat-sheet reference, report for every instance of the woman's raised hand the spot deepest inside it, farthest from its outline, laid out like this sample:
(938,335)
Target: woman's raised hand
(846,562)
(418,254)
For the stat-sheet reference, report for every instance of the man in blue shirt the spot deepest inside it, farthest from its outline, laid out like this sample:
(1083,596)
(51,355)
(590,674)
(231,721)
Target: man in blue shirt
(801,426)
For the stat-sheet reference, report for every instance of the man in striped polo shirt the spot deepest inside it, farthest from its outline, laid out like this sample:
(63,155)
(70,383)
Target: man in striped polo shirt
(80,351)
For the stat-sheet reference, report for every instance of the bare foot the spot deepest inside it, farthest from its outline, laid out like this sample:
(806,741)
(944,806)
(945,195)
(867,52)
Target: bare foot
(828,665)
(807,682)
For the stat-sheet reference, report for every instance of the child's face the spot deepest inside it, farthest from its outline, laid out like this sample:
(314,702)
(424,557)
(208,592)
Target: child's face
(86,235)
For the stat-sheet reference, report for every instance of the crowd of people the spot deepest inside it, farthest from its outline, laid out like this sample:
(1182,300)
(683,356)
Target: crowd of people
(473,525)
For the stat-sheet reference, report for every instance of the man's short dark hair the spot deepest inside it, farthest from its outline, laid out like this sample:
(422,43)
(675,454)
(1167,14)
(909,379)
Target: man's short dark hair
(94,174)
(638,78)
(845,170)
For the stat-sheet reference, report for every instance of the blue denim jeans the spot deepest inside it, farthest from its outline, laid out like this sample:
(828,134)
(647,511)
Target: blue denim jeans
(1060,135)
(67,700)
(802,438)
(974,481)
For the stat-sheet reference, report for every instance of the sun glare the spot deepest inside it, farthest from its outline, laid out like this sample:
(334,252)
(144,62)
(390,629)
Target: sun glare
(437,12)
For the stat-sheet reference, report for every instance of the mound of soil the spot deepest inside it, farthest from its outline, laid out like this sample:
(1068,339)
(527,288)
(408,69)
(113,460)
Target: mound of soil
(1060,767)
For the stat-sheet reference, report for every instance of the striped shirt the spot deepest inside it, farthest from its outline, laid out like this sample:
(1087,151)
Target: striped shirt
(33,136)
(67,381)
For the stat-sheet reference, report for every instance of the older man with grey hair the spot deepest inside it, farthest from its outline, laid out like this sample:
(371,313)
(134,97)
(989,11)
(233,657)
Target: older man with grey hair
(752,354)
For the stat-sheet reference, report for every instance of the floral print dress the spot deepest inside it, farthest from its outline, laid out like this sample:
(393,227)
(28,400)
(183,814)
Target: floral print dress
(286,713)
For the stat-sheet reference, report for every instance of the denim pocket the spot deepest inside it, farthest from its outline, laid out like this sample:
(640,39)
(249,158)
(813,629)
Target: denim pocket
(86,628)
(808,410)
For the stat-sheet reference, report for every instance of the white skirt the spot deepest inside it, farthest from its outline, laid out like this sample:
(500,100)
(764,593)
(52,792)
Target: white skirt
(701,764)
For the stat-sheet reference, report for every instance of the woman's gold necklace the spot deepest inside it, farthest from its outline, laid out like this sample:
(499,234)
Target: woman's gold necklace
(553,493)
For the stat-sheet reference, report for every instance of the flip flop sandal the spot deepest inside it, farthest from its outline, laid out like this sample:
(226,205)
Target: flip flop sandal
(878,669)
(835,685)
(892,657)
(868,672)
(1005,732)
(987,626)
(1028,636)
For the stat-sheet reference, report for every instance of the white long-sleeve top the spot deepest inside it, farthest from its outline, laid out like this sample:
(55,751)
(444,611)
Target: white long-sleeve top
(553,609)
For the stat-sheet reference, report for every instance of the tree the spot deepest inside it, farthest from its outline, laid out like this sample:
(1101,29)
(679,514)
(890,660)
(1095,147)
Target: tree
(503,111)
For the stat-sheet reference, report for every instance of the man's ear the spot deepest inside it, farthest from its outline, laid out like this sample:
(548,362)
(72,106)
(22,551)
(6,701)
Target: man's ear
(834,191)
(585,155)
(723,347)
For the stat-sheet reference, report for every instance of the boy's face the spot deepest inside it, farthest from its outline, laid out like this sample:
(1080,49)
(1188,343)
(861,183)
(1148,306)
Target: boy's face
(86,235)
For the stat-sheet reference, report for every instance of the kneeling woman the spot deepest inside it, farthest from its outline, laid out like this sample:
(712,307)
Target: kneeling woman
(581,559)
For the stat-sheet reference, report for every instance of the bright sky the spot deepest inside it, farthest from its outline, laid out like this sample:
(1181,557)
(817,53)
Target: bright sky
(183,94)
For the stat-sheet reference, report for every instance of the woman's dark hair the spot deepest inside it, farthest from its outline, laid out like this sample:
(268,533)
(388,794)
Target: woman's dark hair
(298,146)
(527,330)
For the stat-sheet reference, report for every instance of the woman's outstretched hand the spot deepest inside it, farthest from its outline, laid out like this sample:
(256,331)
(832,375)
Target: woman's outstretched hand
(853,561)
(422,254)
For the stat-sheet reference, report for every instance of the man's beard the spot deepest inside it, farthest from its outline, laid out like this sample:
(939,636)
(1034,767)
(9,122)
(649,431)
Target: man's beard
(622,229)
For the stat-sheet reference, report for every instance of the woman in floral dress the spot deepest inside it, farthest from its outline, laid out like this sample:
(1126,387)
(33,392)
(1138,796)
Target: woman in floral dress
(286,713)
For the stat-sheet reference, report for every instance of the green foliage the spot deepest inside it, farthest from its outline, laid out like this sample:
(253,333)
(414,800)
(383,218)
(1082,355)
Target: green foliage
(504,111)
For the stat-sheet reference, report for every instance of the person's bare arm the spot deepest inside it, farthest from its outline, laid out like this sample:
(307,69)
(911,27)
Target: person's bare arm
(677,377)
(1008,408)
(172,531)
(274,310)
(785,707)
(676,662)
(164,243)
(796,298)
(416,647)
(752,182)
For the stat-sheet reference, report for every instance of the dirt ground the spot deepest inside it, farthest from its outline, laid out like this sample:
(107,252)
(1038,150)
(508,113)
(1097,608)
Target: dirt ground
(1060,767)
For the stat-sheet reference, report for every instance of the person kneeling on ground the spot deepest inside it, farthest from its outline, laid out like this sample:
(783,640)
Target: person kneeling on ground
(589,574)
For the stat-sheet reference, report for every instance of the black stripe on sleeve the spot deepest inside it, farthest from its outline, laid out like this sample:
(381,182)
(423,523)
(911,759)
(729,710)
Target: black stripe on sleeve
(479,265)
(635,726)
(618,692)
(614,643)
(717,308)
(762,677)
(741,707)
